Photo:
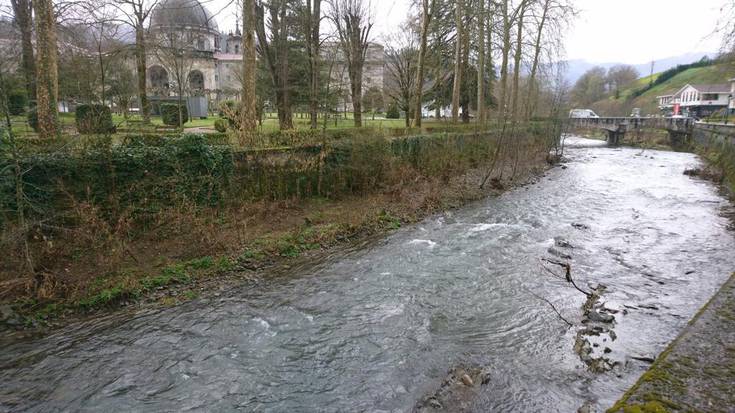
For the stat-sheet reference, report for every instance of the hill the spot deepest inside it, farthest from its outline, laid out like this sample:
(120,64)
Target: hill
(715,73)
(577,67)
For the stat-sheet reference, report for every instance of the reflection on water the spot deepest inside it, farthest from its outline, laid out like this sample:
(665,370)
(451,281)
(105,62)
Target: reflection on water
(377,329)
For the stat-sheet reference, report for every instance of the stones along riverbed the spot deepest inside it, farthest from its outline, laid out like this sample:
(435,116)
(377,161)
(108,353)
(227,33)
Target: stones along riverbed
(380,329)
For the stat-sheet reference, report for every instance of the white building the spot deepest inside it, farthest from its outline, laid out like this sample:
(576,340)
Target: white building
(697,100)
(212,61)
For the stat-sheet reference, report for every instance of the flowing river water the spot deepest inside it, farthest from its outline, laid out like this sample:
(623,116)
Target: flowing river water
(377,329)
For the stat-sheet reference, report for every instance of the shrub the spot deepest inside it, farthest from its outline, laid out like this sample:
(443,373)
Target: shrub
(220,125)
(226,107)
(392,112)
(230,110)
(170,114)
(17,102)
(33,118)
(139,177)
(94,119)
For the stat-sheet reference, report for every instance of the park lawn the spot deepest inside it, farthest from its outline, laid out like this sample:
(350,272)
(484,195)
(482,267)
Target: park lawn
(133,123)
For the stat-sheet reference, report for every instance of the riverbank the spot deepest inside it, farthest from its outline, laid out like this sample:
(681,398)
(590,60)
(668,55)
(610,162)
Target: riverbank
(203,250)
(697,370)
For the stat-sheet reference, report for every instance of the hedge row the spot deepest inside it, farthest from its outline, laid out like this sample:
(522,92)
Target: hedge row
(135,175)
(147,174)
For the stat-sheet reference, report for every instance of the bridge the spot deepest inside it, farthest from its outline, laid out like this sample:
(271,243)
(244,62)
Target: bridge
(679,128)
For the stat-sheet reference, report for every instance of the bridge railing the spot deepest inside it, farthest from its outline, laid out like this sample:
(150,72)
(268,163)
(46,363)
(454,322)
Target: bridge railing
(678,124)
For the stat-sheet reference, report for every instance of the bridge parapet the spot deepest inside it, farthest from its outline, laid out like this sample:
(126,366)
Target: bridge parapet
(616,127)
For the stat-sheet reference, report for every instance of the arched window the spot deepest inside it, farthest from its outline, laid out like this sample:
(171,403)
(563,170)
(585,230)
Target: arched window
(158,80)
(196,82)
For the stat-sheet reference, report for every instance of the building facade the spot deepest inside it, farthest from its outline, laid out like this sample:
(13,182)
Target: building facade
(211,63)
(698,100)
(187,52)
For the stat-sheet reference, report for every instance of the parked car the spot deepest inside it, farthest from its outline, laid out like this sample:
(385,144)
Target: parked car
(582,113)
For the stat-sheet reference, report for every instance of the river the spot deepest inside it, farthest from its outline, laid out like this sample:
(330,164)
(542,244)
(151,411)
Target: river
(378,328)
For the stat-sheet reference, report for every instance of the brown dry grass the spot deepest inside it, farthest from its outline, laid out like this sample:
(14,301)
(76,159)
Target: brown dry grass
(97,255)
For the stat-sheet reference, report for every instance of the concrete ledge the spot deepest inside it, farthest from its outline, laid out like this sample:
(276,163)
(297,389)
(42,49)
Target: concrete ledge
(696,373)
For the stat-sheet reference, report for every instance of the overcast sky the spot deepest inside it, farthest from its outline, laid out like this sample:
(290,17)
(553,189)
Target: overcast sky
(626,31)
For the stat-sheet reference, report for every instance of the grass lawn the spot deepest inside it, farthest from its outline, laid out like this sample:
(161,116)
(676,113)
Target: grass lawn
(133,123)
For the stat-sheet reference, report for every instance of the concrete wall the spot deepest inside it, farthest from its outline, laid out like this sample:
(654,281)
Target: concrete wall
(707,134)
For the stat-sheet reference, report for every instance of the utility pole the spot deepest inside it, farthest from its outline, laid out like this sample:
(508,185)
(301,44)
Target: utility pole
(650,79)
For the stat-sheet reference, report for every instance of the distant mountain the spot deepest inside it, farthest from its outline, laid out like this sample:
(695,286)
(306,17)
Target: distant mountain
(577,67)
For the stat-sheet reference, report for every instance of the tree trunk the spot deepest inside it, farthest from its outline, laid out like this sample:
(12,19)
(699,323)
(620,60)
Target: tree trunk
(249,115)
(481,63)
(504,64)
(140,62)
(47,88)
(531,104)
(465,65)
(285,112)
(457,61)
(356,91)
(313,44)
(425,20)
(23,12)
(517,62)
(489,56)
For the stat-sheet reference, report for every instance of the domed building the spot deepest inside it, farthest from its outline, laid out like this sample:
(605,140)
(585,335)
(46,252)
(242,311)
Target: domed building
(185,45)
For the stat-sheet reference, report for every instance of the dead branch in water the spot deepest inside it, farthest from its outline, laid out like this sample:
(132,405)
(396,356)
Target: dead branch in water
(552,307)
(567,273)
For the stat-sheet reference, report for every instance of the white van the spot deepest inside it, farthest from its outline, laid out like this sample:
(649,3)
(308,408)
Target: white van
(582,113)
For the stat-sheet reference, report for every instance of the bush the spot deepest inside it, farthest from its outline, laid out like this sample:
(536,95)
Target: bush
(393,112)
(220,125)
(230,110)
(33,119)
(17,102)
(94,119)
(139,177)
(226,107)
(170,114)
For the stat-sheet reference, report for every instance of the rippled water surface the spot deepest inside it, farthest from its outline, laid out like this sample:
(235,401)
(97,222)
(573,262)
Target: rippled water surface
(378,329)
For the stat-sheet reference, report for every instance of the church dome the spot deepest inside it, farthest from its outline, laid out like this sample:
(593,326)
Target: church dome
(182,13)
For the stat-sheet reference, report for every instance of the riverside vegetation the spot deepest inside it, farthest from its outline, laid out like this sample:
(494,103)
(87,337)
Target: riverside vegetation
(98,221)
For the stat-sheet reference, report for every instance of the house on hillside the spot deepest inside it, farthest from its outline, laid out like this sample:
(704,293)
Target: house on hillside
(731,107)
(698,100)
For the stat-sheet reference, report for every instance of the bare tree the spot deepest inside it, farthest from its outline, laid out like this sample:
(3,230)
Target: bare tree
(273,47)
(481,62)
(312,18)
(47,88)
(620,76)
(174,50)
(401,57)
(23,19)
(104,30)
(520,15)
(427,9)
(135,13)
(354,22)
(458,17)
(249,117)
(726,27)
